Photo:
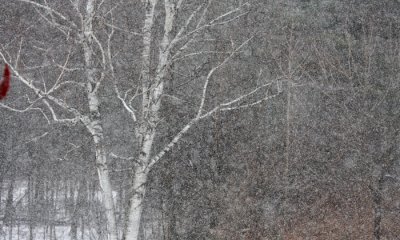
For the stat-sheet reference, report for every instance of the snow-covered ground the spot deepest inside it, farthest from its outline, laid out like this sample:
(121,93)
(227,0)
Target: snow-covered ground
(19,192)
(40,232)
(43,233)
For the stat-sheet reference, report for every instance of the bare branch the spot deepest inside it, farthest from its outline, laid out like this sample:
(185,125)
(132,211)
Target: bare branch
(69,83)
(25,81)
(189,38)
(170,145)
(56,84)
(184,27)
(35,139)
(221,107)
(249,104)
(19,53)
(29,108)
(128,107)
(76,7)
(199,53)
(211,72)
(42,94)
(122,30)
(238,99)
(50,10)
(55,24)
(103,58)
(215,22)
(227,106)
(70,121)
(69,69)
(199,22)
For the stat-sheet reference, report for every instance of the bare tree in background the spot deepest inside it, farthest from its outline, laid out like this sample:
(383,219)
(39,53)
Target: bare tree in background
(170,34)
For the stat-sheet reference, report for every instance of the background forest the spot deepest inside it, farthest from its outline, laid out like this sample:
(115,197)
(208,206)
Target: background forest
(263,120)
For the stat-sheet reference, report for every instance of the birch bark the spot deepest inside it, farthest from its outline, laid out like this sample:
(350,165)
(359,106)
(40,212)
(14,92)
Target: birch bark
(94,124)
(146,130)
(152,91)
(152,88)
(153,77)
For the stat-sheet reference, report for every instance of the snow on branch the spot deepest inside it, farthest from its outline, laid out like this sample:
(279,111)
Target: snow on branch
(220,20)
(69,121)
(221,107)
(227,106)
(26,109)
(125,102)
(170,145)
(211,72)
(43,95)
(51,11)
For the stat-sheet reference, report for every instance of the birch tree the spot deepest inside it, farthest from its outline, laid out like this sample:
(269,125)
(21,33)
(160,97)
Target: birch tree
(47,97)
(171,34)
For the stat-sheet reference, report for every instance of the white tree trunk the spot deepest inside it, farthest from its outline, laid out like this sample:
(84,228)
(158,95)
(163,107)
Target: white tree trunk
(136,205)
(96,129)
(94,124)
(106,191)
(145,133)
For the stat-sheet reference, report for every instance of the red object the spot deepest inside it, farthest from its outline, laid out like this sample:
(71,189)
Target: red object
(5,84)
